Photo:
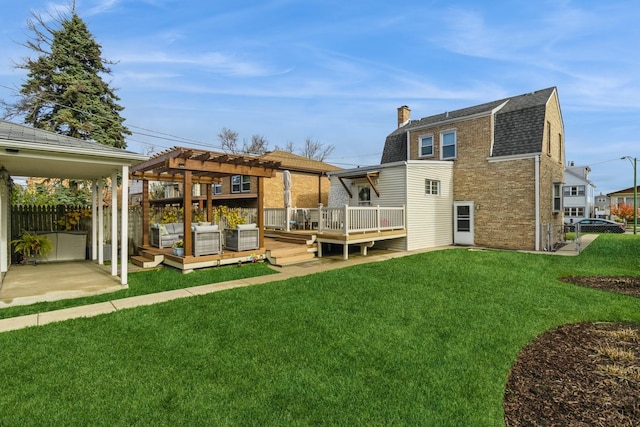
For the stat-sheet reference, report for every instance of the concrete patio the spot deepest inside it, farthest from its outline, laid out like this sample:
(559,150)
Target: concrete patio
(29,284)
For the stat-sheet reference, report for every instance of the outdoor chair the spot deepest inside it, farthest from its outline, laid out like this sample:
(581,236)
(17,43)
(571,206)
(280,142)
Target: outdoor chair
(207,240)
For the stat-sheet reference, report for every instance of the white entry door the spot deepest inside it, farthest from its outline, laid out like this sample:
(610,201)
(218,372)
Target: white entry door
(463,223)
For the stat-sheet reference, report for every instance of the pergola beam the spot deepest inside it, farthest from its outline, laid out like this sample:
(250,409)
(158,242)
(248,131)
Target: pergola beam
(251,167)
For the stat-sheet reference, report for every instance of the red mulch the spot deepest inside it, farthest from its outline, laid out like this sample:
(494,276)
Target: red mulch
(585,374)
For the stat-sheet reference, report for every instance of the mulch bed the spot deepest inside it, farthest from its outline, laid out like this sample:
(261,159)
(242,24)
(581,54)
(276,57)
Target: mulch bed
(585,374)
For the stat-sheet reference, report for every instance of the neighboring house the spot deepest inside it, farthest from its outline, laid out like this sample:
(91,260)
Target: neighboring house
(506,168)
(577,193)
(624,196)
(602,206)
(309,185)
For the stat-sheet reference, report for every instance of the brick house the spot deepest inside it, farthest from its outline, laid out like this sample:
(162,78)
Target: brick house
(309,184)
(508,167)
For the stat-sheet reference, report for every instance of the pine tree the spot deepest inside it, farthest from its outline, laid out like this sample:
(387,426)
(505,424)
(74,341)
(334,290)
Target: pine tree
(64,91)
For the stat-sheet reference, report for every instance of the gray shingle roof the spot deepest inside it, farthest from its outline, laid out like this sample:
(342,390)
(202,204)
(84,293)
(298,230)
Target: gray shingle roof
(16,132)
(519,125)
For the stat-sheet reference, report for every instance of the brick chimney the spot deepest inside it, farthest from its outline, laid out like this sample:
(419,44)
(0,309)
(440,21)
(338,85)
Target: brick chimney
(404,115)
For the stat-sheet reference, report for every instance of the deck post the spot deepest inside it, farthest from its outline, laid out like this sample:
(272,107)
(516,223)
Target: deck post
(346,222)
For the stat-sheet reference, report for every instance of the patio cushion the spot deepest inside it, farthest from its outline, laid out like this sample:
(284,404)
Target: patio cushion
(163,230)
(246,226)
(202,228)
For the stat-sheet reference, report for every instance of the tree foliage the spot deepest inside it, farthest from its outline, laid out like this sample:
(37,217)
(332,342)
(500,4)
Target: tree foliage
(623,211)
(52,193)
(64,91)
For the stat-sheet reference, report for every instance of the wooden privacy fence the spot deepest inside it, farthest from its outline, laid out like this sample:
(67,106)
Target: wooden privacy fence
(42,219)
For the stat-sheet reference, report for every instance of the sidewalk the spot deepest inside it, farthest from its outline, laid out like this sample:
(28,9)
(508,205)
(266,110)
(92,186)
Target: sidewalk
(283,273)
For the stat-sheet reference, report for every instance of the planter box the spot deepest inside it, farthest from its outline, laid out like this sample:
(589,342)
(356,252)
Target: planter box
(67,246)
(241,240)
(106,253)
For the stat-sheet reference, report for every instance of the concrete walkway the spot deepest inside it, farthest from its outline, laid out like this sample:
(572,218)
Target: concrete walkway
(316,266)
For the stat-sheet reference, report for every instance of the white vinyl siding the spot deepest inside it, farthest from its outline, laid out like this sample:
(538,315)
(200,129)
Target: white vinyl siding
(428,219)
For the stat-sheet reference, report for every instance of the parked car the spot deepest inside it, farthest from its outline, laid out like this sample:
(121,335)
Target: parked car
(597,225)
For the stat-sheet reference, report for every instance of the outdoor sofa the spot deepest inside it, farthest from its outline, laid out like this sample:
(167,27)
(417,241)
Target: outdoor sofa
(165,235)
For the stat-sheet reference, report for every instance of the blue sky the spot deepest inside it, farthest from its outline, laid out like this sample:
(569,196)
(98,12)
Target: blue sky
(336,71)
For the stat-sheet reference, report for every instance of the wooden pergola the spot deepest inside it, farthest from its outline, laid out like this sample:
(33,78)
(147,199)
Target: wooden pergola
(193,166)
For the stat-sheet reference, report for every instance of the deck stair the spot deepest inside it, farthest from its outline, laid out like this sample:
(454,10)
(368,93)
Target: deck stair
(291,248)
(148,259)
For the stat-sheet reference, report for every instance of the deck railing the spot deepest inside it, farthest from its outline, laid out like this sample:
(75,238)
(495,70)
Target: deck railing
(345,219)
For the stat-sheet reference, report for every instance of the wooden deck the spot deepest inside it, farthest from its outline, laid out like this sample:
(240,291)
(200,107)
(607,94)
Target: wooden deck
(152,256)
(364,240)
(280,248)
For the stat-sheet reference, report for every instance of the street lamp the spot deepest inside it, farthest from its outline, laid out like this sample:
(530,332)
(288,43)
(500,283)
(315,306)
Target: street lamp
(634,162)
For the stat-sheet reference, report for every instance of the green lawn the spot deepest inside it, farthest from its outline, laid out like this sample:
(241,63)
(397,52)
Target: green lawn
(421,340)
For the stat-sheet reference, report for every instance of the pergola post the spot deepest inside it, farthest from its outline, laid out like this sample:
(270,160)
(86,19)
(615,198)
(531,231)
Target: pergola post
(261,211)
(146,210)
(186,205)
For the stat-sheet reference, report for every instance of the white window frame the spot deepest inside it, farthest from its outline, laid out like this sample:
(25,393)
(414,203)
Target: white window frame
(431,187)
(216,188)
(422,138)
(244,186)
(573,190)
(574,212)
(455,144)
(556,197)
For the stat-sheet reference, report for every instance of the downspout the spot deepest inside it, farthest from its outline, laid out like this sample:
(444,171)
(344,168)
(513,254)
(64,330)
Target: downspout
(537,201)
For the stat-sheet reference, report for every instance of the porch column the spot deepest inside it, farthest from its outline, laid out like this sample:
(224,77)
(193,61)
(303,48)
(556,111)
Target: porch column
(100,224)
(5,224)
(94,220)
(124,230)
(114,224)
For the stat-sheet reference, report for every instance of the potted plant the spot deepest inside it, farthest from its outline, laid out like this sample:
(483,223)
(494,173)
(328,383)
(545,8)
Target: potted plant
(178,248)
(31,245)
